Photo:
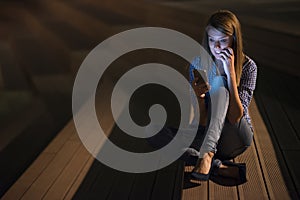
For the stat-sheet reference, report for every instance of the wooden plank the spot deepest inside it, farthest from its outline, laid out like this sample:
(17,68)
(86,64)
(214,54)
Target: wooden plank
(222,192)
(16,160)
(165,184)
(292,160)
(271,161)
(98,182)
(143,185)
(106,183)
(71,192)
(28,110)
(255,187)
(269,38)
(31,26)
(194,190)
(178,185)
(29,176)
(58,142)
(42,184)
(278,123)
(108,16)
(168,17)
(77,58)
(122,186)
(67,177)
(124,181)
(49,50)
(130,9)
(60,83)
(290,100)
(48,59)
(1,77)
(265,56)
(73,37)
(281,126)
(256,181)
(101,179)
(11,75)
(271,24)
(88,25)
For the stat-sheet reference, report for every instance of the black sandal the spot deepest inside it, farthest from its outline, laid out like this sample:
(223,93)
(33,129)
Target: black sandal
(215,163)
(241,167)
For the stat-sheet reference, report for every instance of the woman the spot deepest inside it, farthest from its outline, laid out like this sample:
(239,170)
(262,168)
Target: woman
(223,100)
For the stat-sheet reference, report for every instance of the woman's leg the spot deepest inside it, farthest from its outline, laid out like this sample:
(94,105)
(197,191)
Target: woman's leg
(234,140)
(167,134)
(218,105)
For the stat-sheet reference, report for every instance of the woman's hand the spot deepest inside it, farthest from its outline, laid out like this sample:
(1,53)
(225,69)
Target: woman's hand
(235,109)
(227,58)
(200,88)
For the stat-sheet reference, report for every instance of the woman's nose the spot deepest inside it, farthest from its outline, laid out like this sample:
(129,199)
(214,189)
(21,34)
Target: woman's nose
(217,44)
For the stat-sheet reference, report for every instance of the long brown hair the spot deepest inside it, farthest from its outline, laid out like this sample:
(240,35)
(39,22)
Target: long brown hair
(227,23)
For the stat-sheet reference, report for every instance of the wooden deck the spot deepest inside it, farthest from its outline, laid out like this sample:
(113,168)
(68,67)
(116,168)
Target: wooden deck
(42,47)
(65,164)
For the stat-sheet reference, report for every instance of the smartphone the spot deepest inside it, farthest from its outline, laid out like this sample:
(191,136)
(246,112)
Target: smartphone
(201,75)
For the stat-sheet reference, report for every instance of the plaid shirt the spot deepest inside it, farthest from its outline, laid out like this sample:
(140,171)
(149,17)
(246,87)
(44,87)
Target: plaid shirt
(247,81)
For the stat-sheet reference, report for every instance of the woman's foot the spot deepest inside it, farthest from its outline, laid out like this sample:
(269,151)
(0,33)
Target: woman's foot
(228,171)
(202,168)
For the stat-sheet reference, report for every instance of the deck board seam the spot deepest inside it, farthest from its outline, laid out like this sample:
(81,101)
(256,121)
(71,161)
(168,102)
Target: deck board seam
(273,136)
(62,170)
(77,176)
(261,168)
(153,184)
(287,116)
(29,186)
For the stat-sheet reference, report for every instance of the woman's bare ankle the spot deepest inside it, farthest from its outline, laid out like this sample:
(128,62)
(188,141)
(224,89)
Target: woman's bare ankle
(204,164)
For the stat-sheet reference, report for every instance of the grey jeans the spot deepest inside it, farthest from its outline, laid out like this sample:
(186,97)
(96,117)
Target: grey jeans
(226,140)
(221,137)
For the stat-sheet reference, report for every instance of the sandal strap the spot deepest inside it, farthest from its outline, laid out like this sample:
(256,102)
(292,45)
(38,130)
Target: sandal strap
(216,163)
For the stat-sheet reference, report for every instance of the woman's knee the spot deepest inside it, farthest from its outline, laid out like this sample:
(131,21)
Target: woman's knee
(245,132)
(227,155)
(248,140)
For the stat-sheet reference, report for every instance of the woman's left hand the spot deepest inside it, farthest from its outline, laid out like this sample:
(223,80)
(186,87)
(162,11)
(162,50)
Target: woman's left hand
(227,58)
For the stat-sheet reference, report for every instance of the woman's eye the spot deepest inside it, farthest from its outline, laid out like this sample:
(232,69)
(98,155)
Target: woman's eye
(223,40)
(211,40)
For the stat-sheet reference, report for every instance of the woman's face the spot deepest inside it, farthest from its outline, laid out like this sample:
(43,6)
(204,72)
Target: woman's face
(217,41)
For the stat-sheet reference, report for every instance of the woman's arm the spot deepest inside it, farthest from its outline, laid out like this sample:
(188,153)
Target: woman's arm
(235,109)
(247,83)
(200,89)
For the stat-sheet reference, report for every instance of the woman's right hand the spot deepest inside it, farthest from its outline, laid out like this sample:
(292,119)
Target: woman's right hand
(200,88)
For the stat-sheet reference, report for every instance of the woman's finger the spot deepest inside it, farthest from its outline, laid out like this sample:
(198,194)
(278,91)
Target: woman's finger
(223,58)
(227,52)
(195,81)
(200,88)
(230,50)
